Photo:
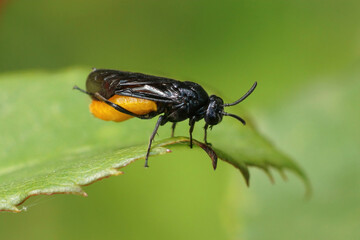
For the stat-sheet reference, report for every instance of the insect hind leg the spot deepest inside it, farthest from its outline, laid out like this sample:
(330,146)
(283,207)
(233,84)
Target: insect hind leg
(114,105)
(118,107)
(158,123)
(82,90)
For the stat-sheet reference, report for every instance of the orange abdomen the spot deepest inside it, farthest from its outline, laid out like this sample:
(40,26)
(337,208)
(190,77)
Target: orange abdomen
(136,105)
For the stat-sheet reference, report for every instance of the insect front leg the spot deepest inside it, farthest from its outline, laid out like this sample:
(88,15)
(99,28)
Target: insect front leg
(205,134)
(192,124)
(158,123)
(173,129)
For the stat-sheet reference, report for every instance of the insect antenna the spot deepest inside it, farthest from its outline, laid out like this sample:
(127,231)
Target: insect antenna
(242,98)
(234,116)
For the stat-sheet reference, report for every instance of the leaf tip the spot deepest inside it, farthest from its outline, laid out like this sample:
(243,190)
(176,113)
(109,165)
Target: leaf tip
(247,181)
(268,173)
(282,174)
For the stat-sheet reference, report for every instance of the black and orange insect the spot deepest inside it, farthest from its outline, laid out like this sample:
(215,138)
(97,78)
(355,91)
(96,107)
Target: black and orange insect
(118,96)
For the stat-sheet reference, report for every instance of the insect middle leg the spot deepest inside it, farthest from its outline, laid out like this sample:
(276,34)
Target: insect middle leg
(158,123)
(173,129)
(192,124)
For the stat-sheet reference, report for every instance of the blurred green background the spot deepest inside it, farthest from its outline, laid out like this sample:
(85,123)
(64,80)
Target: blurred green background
(305,57)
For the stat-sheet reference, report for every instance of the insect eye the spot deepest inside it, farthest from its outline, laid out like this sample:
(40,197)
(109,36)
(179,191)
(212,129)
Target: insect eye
(212,117)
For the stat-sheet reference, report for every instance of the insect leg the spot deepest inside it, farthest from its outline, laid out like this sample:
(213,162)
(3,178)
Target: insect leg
(173,129)
(205,134)
(192,124)
(160,119)
(81,90)
(117,107)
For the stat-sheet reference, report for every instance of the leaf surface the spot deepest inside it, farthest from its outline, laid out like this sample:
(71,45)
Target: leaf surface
(51,144)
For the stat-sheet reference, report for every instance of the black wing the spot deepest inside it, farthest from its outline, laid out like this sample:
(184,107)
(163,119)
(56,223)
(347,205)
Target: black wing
(140,85)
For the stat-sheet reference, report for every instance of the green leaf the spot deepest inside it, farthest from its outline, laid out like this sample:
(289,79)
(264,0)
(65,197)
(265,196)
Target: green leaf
(51,144)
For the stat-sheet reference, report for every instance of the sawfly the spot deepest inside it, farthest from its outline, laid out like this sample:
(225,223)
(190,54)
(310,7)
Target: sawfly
(118,96)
